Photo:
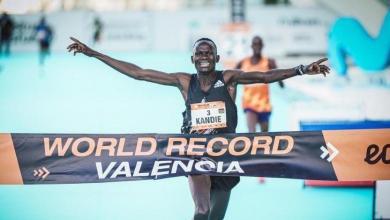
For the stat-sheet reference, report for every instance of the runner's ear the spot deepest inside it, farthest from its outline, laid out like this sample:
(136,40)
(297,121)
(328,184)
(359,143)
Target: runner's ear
(192,59)
(217,59)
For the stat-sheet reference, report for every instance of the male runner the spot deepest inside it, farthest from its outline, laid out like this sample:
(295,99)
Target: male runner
(212,92)
(256,98)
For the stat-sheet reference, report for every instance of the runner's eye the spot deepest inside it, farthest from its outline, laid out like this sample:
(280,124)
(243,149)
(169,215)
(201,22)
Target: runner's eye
(203,54)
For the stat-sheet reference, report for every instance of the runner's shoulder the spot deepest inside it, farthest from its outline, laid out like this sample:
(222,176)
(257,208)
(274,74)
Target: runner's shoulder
(182,78)
(231,74)
(271,63)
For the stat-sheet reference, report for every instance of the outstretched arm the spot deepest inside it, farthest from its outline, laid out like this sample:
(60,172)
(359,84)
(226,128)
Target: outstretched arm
(130,69)
(235,76)
(272,65)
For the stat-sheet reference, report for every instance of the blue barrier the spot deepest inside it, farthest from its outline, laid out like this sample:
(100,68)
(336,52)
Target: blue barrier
(341,125)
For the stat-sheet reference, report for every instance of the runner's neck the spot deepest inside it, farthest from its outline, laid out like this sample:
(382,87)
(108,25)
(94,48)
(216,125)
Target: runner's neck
(206,80)
(256,58)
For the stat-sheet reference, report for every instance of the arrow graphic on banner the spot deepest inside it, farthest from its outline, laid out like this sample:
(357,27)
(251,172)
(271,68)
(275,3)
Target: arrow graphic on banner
(326,152)
(41,172)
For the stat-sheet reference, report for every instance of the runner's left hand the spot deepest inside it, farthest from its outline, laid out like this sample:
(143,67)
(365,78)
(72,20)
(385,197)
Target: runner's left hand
(317,68)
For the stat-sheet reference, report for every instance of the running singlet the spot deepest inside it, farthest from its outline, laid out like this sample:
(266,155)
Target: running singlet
(213,110)
(256,96)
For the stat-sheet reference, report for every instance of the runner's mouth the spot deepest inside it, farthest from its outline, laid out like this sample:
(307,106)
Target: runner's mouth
(204,64)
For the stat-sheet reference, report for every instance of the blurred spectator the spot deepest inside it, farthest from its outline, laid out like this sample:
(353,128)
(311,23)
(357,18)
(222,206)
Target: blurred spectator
(98,27)
(44,35)
(6,29)
(256,99)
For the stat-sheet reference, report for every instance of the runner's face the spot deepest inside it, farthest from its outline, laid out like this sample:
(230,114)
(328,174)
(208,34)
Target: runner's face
(257,46)
(204,58)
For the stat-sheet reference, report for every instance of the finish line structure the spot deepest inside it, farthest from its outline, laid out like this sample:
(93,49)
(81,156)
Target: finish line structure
(348,155)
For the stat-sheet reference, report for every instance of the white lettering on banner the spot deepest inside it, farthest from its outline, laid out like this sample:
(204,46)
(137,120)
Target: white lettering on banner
(186,168)
(160,165)
(123,169)
(234,167)
(137,170)
(204,166)
(103,174)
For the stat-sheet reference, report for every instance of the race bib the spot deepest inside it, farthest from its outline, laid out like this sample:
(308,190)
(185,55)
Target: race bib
(208,115)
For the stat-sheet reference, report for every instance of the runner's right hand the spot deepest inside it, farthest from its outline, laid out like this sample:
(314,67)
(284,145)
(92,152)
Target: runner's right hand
(78,47)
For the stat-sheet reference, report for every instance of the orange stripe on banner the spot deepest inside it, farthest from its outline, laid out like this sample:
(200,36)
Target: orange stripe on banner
(9,166)
(351,161)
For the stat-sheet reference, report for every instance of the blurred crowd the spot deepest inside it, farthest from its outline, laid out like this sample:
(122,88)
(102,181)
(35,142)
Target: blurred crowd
(43,33)
(6,29)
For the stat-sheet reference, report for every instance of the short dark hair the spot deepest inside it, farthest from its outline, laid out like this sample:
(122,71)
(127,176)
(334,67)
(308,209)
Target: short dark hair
(205,40)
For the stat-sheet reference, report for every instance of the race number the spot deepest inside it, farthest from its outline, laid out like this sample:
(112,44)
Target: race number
(208,115)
